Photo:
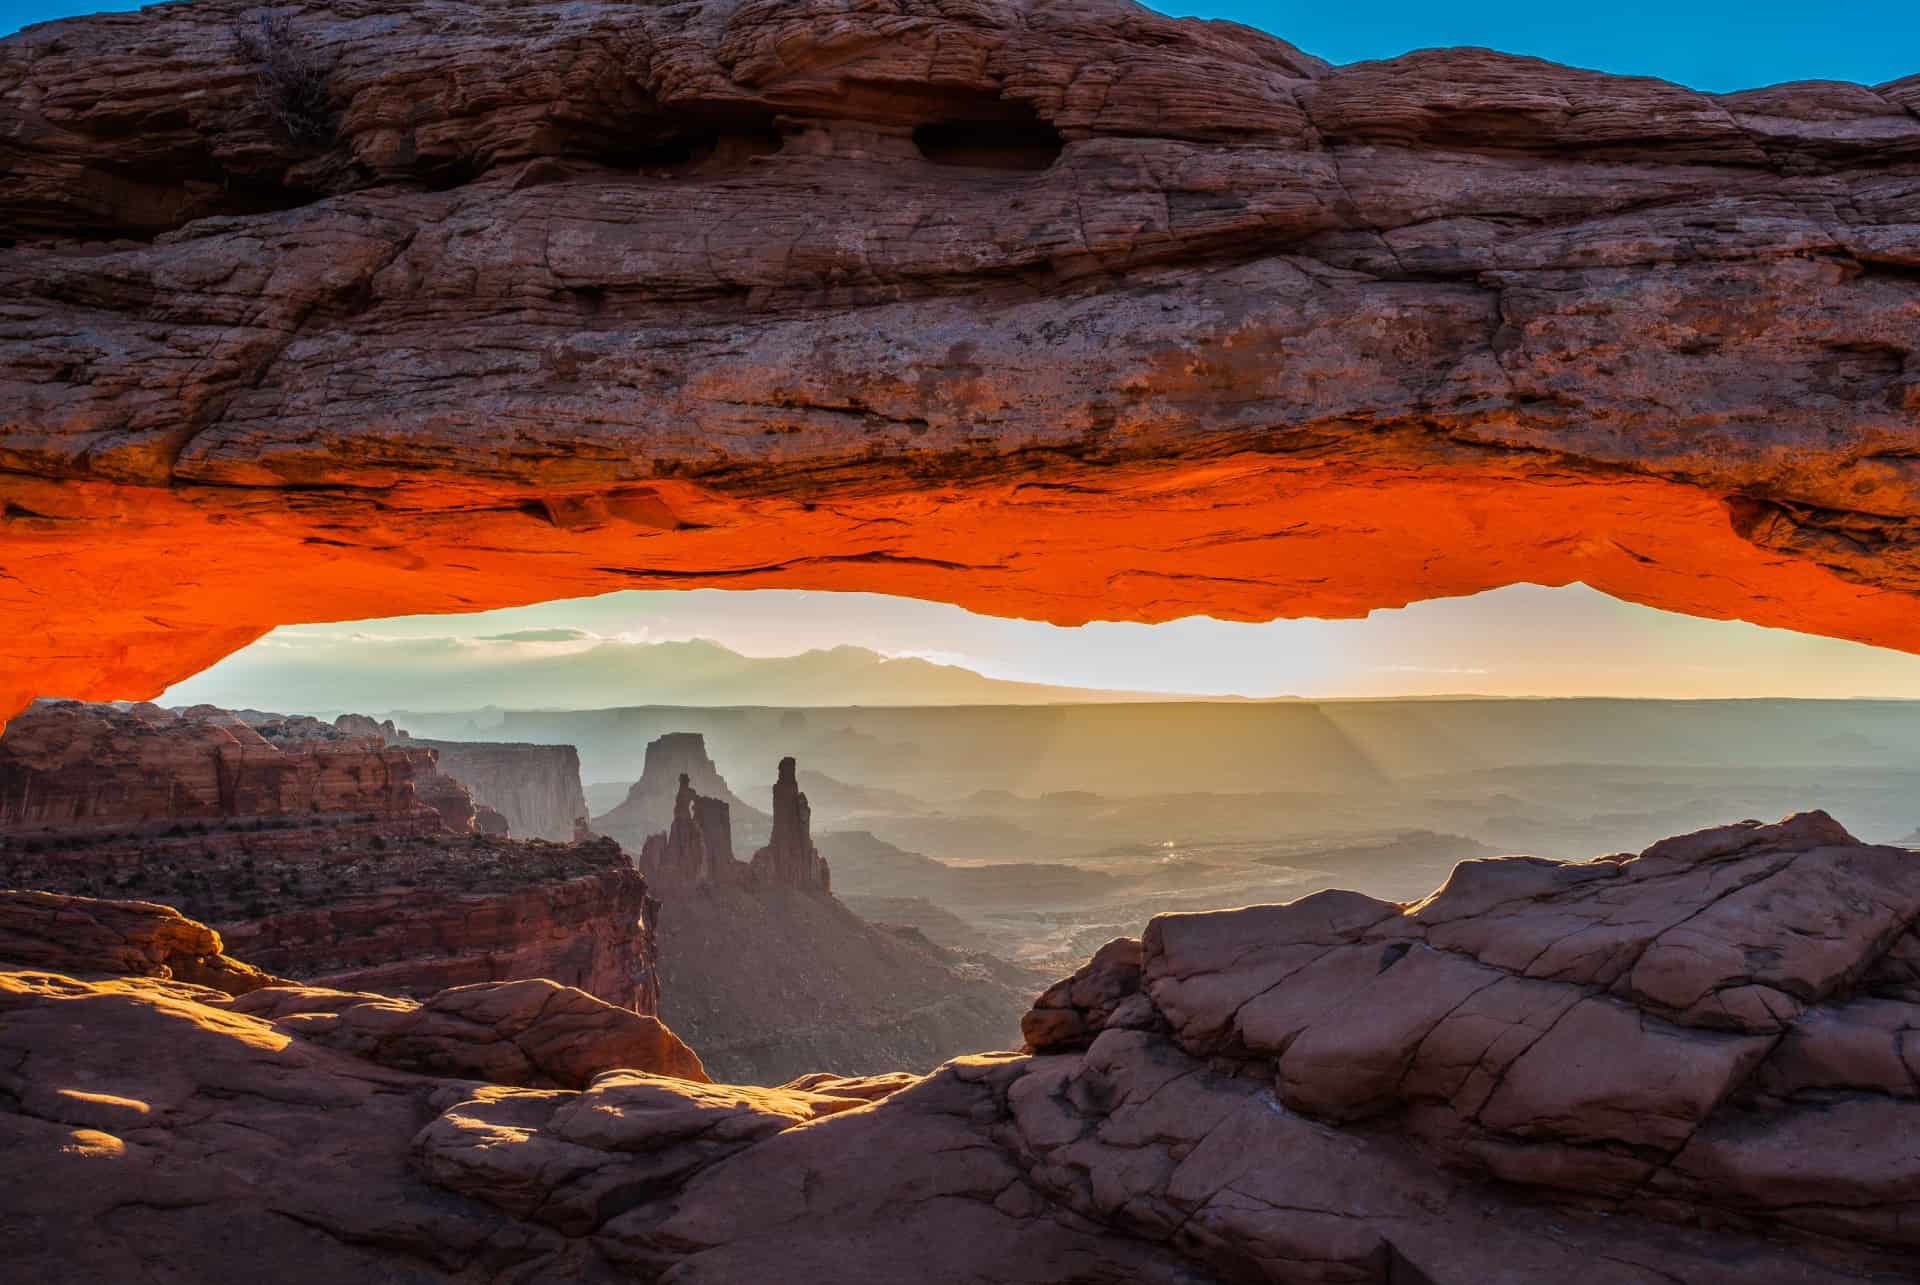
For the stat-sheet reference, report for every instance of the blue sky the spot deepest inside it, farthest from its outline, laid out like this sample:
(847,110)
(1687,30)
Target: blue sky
(1717,45)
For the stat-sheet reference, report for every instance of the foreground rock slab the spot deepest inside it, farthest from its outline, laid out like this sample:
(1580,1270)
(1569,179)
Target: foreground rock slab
(1517,1079)
(557,299)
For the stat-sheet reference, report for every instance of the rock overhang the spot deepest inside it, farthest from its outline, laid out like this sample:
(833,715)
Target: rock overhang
(589,297)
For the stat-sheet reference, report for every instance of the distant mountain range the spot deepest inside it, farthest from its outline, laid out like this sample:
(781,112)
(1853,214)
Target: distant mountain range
(567,669)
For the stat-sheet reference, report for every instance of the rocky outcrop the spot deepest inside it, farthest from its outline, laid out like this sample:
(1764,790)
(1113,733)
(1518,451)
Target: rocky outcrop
(532,1032)
(697,847)
(790,860)
(451,801)
(652,802)
(358,904)
(770,977)
(65,764)
(930,301)
(535,789)
(83,935)
(1678,1065)
(771,981)
(422,916)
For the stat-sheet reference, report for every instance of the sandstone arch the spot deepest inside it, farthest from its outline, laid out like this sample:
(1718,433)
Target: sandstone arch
(590,296)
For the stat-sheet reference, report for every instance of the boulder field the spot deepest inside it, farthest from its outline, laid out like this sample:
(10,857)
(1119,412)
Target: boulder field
(1694,1063)
(373,308)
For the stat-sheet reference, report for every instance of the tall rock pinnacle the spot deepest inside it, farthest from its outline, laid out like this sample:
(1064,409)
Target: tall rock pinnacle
(790,857)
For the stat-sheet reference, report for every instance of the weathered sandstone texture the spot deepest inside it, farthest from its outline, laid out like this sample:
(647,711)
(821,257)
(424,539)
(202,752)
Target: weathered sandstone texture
(551,299)
(534,789)
(359,904)
(64,764)
(1690,1064)
(71,934)
(530,1032)
(267,842)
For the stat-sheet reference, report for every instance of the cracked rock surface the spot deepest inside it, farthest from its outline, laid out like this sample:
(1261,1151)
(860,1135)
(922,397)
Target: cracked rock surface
(1695,1063)
(932,298)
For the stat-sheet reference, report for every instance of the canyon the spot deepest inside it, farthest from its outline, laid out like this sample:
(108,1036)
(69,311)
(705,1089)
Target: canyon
(1680,1064)
(1355,335)
(1064,310)
(768,974)
(306,845)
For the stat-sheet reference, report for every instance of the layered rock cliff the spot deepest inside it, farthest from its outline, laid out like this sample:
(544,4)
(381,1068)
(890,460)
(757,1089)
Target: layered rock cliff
(535,789)
(360,905)
(1678,1065)
(924,299)
(66,764)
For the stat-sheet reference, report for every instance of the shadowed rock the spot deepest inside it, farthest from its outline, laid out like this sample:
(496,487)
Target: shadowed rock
(569,298)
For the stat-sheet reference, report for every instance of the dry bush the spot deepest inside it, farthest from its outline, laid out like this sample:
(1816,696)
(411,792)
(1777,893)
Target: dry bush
(292,78)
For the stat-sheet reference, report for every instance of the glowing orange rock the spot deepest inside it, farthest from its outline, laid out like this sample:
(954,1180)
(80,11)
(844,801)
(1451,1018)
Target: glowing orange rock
(1064,312)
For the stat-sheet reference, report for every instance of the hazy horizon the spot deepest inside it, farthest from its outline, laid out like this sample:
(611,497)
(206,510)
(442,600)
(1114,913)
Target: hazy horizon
(1520,641)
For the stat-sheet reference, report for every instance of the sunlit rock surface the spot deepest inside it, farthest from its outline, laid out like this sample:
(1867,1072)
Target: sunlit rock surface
(65,765)
(333,854)
(940,300)
(1687,1064)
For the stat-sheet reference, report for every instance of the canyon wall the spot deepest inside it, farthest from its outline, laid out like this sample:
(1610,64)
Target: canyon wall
(931,301)
(1683,1064)
(535,788)
(65,764)
(337,857)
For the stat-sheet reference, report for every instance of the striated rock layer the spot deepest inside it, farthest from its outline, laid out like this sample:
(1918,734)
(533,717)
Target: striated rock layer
(1687,1064)
(534,789)
(551,299)
(361,907)
(65,764)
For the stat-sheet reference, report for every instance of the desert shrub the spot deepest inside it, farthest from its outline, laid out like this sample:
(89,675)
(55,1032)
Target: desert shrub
(292,79)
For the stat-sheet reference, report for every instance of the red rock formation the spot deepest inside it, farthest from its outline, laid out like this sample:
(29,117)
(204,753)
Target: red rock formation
(64,764)
(85,936)
(1684,1064)
(532,1032)
(449,800)
(685,855)
(753,316)
(790,860)
(421,916)
(535,789)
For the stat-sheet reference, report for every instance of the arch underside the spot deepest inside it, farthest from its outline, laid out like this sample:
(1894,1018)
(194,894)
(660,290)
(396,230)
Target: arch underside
(1203,326)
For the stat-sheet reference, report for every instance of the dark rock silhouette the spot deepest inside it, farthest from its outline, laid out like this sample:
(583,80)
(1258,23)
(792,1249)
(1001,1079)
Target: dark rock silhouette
(790,859)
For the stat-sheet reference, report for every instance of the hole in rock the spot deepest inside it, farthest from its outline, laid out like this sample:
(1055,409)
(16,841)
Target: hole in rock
(718,148)
(1019,145)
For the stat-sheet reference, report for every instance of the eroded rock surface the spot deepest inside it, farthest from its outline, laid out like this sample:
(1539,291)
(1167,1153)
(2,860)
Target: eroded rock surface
(70,934)
(1517,1079)
(556,299)
(529,1032)
(66,764)
(320,853)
